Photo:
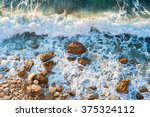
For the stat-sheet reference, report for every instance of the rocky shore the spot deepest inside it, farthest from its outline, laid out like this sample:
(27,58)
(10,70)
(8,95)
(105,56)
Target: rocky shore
(26,85)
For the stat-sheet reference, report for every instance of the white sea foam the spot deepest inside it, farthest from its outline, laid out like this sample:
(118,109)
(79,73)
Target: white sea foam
(104,69)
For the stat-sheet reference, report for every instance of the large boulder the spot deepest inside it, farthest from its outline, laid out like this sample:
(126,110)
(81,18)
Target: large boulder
(75,48)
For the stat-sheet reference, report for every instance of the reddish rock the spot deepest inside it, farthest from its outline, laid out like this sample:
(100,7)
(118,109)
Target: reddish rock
(59,89)
(48,65)
(34,88)
(76,48)
(46,56)
(122,87)
(123,60)
(142,90)
(84,61)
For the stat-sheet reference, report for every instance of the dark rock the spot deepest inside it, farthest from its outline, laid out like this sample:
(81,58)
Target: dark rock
(35,46)
(147,40)
(139,96)
(94,29)
(92,87)
(108,36)
(75,48)
(142,90)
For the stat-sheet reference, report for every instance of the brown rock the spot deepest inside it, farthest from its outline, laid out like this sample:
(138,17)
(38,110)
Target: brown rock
(71,93)
(92,87)
(142,90)
(75,48)
(52,89)
(35,46)
(34,88)
(48,65)
(41,78)
(93,96)
(139,96)
(59,89)
(28,64)
(123,60)
(2,94)
(36,82)
(84,61)
(31,77)
(122,87)
(22,74)
(1,76)
(46,56)
(102,94)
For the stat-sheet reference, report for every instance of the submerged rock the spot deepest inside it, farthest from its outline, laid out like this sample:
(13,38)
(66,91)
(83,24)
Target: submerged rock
(84,61)
(122,87)
(94,29)
(123,60)
(92,87)
(75,48)
(35,46)
(46,56)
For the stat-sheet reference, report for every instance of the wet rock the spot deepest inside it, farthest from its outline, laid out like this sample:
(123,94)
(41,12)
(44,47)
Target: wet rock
(52,89)
(122,87)
(49,96)
(71,93)
(48,65)
(142,90)
(59,89)
(34,88)
(46,56)
(94,29)
(93,97)
(35,46)
(123,60)
(71,58)
(75,48)
(28,65)
(42,97)
(92,87)
(31,77)
(84,61)
(22,74)
(139,96)
(41,78)
(1,76)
